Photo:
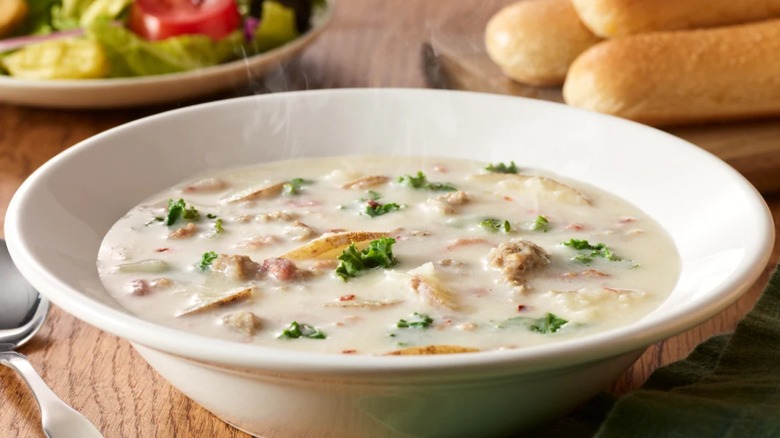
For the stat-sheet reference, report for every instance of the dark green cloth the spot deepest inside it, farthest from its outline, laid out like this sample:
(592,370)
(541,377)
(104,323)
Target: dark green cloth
(728,387)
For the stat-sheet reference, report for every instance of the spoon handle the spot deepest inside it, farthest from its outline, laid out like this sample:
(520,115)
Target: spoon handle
(59,420)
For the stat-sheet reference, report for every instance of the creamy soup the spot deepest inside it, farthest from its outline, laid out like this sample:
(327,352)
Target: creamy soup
(383,254)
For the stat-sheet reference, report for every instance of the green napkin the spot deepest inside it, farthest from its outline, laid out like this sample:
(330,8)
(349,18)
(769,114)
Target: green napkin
(728,387)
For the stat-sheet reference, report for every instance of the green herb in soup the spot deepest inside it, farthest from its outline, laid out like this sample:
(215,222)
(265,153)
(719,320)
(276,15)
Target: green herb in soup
(420,181)
(541,224)
(301,330)
(502,168)
(179,210)
(378,254)
(496,225)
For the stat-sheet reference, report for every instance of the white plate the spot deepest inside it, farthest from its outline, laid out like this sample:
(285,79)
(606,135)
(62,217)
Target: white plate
(718,221)
(157,89)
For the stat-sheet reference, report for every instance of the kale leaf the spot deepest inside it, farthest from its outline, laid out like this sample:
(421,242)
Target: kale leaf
(379,253)
(421,182)
(302,330)
(590,251)
(502,168)
(178,210)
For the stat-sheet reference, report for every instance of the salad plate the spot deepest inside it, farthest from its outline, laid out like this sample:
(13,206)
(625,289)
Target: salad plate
(123,92)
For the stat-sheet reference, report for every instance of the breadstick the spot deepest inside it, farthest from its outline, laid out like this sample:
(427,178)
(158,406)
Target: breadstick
(615,18)
(670,78)
(12,13)
(535,41)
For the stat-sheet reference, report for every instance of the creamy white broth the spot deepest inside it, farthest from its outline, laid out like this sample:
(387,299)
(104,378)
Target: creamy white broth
(438,237)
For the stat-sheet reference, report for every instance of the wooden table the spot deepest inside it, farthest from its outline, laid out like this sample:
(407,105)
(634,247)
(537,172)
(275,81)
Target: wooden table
(372,43)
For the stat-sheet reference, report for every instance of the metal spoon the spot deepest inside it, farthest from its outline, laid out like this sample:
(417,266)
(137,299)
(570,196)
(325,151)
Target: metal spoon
(22,313)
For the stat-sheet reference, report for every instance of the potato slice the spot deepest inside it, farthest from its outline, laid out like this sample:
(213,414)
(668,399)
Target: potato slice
(432,349)
(427,284)
(331,245)
(541,186)
(366,182)
(149,266)
(254,193)
(240,293)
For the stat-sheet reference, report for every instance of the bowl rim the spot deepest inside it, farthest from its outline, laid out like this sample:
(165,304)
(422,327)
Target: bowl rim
(212,350)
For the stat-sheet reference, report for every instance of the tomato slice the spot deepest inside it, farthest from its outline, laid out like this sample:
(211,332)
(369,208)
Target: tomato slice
(160,19)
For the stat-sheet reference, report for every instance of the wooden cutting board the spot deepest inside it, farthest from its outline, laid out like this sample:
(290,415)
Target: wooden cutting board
(458,61)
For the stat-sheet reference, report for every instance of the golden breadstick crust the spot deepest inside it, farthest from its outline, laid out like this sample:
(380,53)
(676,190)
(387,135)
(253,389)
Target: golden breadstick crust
(535,41)
(672,78)
(615,18)
(12,13)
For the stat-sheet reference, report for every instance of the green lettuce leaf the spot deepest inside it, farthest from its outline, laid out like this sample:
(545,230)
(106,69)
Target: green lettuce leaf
(131,55)
(101,9)
(276,28)
(39,18)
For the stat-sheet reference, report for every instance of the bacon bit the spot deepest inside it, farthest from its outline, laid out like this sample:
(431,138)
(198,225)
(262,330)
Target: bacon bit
(450,263)
(521,307)
(161,282)
(325,264)
(161,249)
(439,168)
(466,242)
(139,288)
(593,273)
(348,351)
(365,304)
(349,297)
(575,227)
(284,216)
(302,203)
(481,292)
(588,273)
(627,220)
(508,199)
(206,185)
(468,326)
(347,321)
(443,325)
(183,232)
(256,242)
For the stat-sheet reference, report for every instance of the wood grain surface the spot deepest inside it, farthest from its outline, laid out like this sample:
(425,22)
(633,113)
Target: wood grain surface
(372,43)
